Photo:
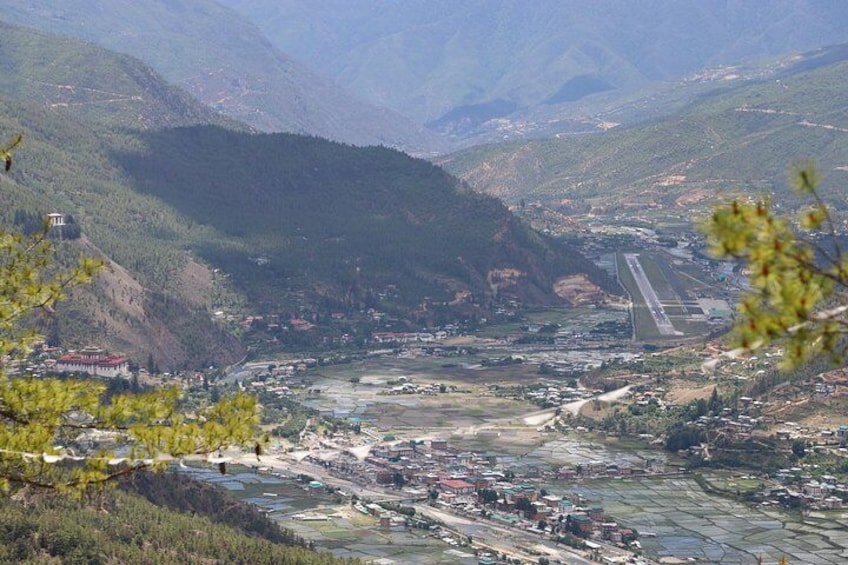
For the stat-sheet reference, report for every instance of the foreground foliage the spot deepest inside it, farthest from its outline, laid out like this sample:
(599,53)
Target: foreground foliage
(52,430)
(798,273)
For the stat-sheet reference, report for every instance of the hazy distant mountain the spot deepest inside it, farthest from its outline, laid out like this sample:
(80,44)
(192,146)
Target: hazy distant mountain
(733,139)
(224,61)
(456,64)
(71,77)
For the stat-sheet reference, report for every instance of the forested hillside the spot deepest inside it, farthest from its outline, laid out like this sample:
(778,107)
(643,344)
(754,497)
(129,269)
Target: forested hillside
(75,103)
(332,228)
(195,524)
(193,220)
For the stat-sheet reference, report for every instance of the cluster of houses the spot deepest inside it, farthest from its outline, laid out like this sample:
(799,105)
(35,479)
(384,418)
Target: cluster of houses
(271,322)
(476,485)
(408,337)
(597,340)
(751,415)
(389,520)
(404,386)
(304,322)
(600,469)
(555,394)
(731,424)
(525,506)
(801,490)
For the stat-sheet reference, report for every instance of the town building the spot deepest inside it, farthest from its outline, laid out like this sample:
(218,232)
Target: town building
(456,486)
(583,523)
(440,444)
(93,361)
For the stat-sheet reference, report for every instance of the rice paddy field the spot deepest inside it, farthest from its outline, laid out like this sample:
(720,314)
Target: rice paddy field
(572,451)
(349,535)
(683,521)
(678,522)
(677,519)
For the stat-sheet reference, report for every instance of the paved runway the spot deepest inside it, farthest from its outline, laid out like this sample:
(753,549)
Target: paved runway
(657,311)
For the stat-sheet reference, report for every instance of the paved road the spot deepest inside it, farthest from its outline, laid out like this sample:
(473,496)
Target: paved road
(487,534)
(504,539)
(611,396)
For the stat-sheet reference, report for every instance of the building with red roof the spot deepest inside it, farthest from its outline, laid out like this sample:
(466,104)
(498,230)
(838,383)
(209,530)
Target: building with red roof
(456,486)
(93,361)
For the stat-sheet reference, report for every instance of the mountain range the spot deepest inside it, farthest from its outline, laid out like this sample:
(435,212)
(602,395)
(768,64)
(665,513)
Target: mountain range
(736,138)
(432,76)
(195,213)
(224,61)
(483,70)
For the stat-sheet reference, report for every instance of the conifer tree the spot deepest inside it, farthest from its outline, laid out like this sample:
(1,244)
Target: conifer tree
(51,428)
(797,271)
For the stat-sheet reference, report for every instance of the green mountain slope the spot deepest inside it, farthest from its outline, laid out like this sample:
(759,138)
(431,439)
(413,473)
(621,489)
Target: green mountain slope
(87,82)
(75,103)
(224,61)
(734,139)
(203,218)
(316,224)
(140,303)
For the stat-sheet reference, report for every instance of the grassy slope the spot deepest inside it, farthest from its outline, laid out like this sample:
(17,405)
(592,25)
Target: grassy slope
(736,140)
